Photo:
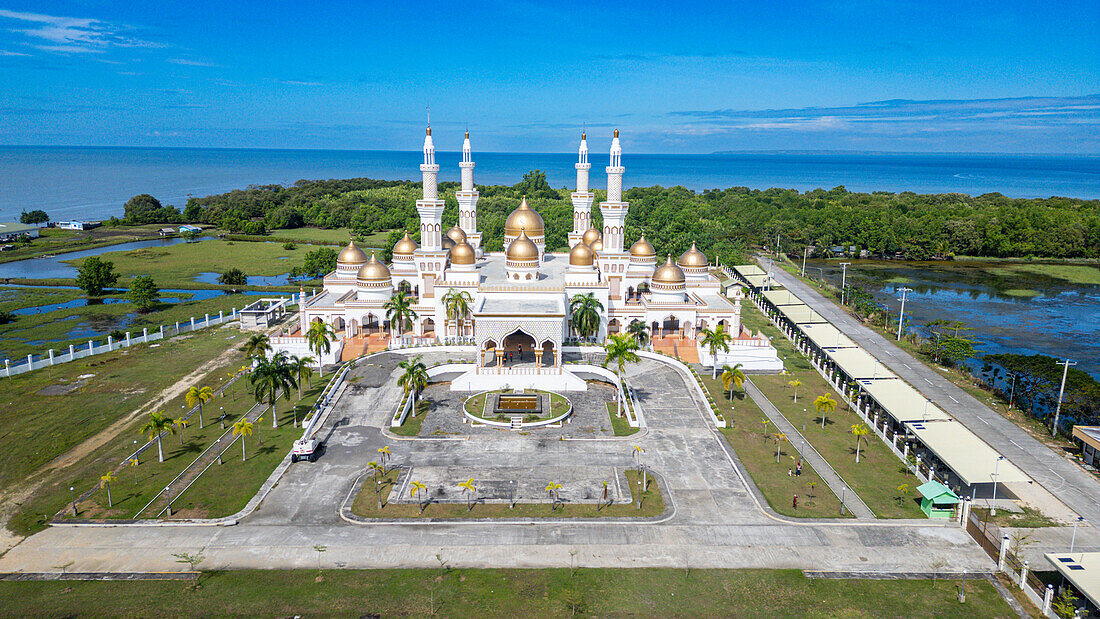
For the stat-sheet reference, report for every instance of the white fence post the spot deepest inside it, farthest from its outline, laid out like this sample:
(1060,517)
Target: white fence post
(192,323)
(162,332)
(110,343)
(7,367)
(1048,599)
(30,362)
(72,352)
(51,356)
(221,314)
(177,327)
(1004,553)
(127,338)
(91,347)
(1023,574)
(145,334)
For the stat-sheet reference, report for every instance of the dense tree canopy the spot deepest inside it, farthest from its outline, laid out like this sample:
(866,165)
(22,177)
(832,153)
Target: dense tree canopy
(721,221)
(37,216)
(145,209)
(95,275)
(143,293)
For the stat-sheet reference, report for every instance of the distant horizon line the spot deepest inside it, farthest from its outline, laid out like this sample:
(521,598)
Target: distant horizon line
(712,153)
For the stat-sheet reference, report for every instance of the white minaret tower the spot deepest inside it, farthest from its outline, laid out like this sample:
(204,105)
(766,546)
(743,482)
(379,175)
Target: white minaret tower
(467,198)
(430,258)
(613,261)
(582,197)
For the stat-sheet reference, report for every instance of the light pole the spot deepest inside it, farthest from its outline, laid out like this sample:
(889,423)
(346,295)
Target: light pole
(803,421)
(993,505)
(1012,391)
(72,492)
(805,253)
(843,491)
(901,315)
(1061,390)
(168,495)
(1073,539)
(844,273)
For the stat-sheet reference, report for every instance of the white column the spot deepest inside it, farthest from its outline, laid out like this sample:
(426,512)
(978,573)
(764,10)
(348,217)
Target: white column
(51,356)
(1004,553)
(1048,600)
(1023,574)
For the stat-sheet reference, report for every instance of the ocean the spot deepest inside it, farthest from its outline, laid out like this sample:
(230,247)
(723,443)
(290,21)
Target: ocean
(93,183)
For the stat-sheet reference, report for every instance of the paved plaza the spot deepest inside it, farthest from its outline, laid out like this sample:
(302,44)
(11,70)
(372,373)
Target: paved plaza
(715,517)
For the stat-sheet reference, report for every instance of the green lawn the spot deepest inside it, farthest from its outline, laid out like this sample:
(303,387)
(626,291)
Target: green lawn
(34,334)
(746,435)
(879,472)
(1079,274)
(619,425)
(33,433)
(458,592)
(12,299)
(414,420)
(366,504)
(56,241)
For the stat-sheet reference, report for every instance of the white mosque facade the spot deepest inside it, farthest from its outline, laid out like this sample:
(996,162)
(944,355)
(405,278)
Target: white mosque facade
(520,299)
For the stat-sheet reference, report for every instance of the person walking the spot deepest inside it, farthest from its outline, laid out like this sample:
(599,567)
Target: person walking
(794,502)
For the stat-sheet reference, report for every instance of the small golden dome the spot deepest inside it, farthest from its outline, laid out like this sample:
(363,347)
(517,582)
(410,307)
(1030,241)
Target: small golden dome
(351,255)
(597,245)
(591,235)
(373,271)
(447,243)
(642,249)
(668,273)
(524,219)
(462,253)
(456,234)
(405,247)
(581,255)
(692,258)
(522,249)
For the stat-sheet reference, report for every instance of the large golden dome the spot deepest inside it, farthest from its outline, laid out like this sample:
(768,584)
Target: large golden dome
(447,242)
(373,271)
(405,247)
(642,249)
(581,255)
(456,234)
(524,219)
(522,249)
(591,235)
(597,245)
(351,255)
(668,273)
(462,253)
(692,258)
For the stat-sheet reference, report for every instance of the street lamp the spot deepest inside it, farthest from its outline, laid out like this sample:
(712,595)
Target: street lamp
(1073,539)
(805,253)
(993,505)
(803,420)
(168,495)
(844,273)
(1061,390)
(72,492)
(901,315)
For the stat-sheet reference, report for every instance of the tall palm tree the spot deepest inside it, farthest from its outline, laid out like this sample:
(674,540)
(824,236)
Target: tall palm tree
(795,384)
(299,368)
(269,378)
(320,337)
(552,489)
(620,349)
(415,377)
(182,425)
(377,471)
(457,304)
(158,423)
(780,438)
(716,340)
(824,405)
(383,455)
(859,431)
(242,428)
(399,312)
(639,332)
(199,396)
(732,377)
(418,487)
(105,482)
(585,311)
(468,489)
(257,346)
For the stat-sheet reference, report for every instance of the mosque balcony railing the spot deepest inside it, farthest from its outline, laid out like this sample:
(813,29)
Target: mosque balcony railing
(520,371)
(520,288)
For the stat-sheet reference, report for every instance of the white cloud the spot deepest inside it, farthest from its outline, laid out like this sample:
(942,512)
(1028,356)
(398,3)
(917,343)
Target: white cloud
(7,53)
(73,35)
(191,63)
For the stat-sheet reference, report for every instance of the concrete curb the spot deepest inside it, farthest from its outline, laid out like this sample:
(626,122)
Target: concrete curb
(104,576)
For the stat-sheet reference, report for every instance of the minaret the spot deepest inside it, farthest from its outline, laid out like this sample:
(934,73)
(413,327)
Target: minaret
(614,209)
(582,197)
(430,257)
(467,198)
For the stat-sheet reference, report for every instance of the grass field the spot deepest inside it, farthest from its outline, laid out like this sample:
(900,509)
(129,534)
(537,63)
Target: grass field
(619,425)
(366,504)
(879,472)
(414,420)
(35,333)
(16,298)
(56,241)
(34,433)
(1071,273)
(457,592)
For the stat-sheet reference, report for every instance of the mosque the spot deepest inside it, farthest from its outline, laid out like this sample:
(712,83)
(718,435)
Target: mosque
(519,300)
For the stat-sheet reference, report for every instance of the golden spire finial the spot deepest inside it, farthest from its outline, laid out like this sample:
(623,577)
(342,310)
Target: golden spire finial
(616,133)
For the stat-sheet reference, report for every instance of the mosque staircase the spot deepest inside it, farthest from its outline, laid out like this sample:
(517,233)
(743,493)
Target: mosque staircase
(679,347)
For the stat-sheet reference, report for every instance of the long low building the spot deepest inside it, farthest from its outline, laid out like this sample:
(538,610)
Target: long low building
(1082,570)
(826,336)
(968,457)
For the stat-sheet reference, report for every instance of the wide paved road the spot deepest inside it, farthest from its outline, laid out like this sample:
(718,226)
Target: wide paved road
(717,520)
(1064,479)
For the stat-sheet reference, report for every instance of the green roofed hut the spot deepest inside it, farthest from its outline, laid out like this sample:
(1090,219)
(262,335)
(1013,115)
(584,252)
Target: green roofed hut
(937,500)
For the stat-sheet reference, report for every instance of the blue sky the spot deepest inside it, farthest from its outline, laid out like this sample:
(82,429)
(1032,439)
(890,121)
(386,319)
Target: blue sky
(674,77)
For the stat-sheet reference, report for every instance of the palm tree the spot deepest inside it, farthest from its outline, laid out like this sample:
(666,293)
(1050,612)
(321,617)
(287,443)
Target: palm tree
(320,337)
(795,384)
(257,346)
(399,312)
(859,431)
(269,378)
(182,425)
(732,377)
(469,490)
(903,491)
(200,396)
(242,428)
(418,487)
(415,377)
(780,438)
(457,304)
(552,489)
(377,471)
(810,485)
(158,423)
(716,340)
(585,311)
(619,349)
(765,422)
(824,405)
(105,482)
(639,332)
(383,455)
(299,368)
